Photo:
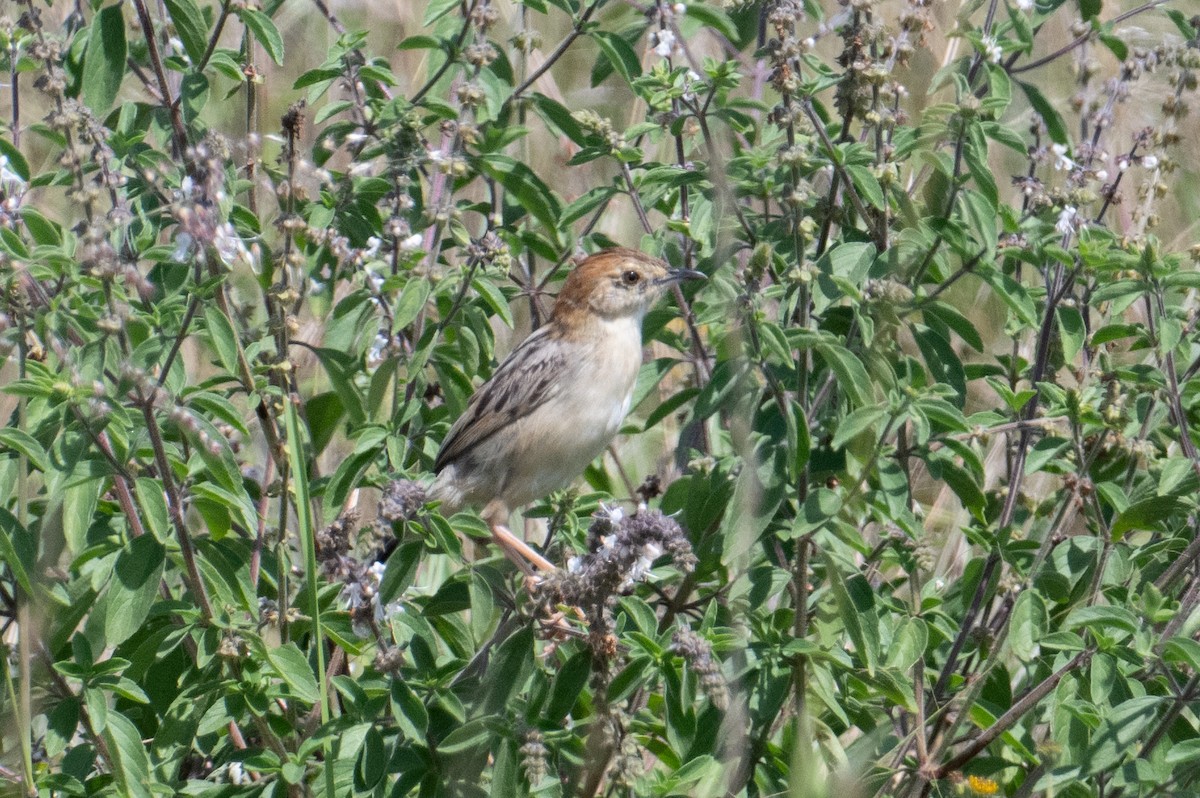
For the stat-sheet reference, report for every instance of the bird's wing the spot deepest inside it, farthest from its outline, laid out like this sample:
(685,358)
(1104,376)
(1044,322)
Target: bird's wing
(526,379)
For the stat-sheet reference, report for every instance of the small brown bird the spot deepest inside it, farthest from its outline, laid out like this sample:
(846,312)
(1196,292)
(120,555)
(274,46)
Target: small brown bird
(556,402)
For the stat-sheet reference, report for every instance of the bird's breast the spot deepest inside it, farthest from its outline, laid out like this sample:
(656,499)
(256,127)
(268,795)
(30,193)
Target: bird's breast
(595,393)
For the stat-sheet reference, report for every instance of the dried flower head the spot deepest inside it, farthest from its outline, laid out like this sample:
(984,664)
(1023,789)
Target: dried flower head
(699,655)
(401,501)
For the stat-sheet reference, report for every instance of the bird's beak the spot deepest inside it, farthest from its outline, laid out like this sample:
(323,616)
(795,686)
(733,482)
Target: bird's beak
(675,275)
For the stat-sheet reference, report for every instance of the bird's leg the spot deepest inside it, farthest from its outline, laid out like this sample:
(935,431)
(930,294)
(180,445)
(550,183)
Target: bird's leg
(517,550)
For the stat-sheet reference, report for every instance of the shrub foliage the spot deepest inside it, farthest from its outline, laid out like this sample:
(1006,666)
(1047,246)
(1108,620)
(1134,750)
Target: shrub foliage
(916,467)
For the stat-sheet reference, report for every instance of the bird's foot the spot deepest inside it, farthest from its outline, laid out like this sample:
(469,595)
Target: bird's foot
(521,553)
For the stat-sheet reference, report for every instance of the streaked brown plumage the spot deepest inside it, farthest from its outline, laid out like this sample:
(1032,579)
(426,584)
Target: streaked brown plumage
(556,402)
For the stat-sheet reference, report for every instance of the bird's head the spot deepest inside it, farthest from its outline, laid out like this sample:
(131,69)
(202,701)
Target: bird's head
(615,283)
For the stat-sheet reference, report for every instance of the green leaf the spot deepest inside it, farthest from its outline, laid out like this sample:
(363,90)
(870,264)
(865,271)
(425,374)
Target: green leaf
(588,202)
(191,27)
(224,338)
(1102,617)
(908,644)
(1071,331)
(12,535)
(980,218)
(131,593)
(472,734)
(525,187)
(1115,332)
(505,773)
(1181,23)
(1011,293)
(1184,752)
(851,375)
(342,368)
(1144,514)
(858,617)
(412,300)
(1119,732)
(42,230)
(1115,45)
(409,711)
(711,16)
(290,664)
(956,321)
(127,755)
(323,412)
(961,481)
(265,31)
(1050,116)
(436,10)
(1183,650)
(559,116)
(975,154)
(104,59)
(16,161)
(868,186)
(233,501)
(510,668)
(372,762)
(1028,624)
(21,442)
(79,500)
(857,422)
(941,360)
(569,682)
(620,55)
(346,479)
(193,96)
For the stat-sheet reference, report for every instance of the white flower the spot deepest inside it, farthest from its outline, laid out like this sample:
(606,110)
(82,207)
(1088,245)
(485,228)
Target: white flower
(436,156)
(187,186)
(1066,220)
(991,49)
(1061,161)
(1122,164)
(373,244)
(376,570)
(10,181)
(664,43)
(183,247)
(237,774)
(412,243)
(378,350)
(1102,175)
(1150,161)
(357,137)
(679,8)
(230,248)
(384,614)
(1025,5)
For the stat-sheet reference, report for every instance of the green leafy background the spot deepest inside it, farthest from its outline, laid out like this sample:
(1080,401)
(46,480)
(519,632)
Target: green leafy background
(928,426)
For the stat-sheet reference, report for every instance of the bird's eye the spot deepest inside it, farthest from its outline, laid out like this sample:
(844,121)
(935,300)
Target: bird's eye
(630,277)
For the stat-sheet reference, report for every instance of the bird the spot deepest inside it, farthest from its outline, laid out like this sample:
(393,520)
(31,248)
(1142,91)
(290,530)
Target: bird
(556,402)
